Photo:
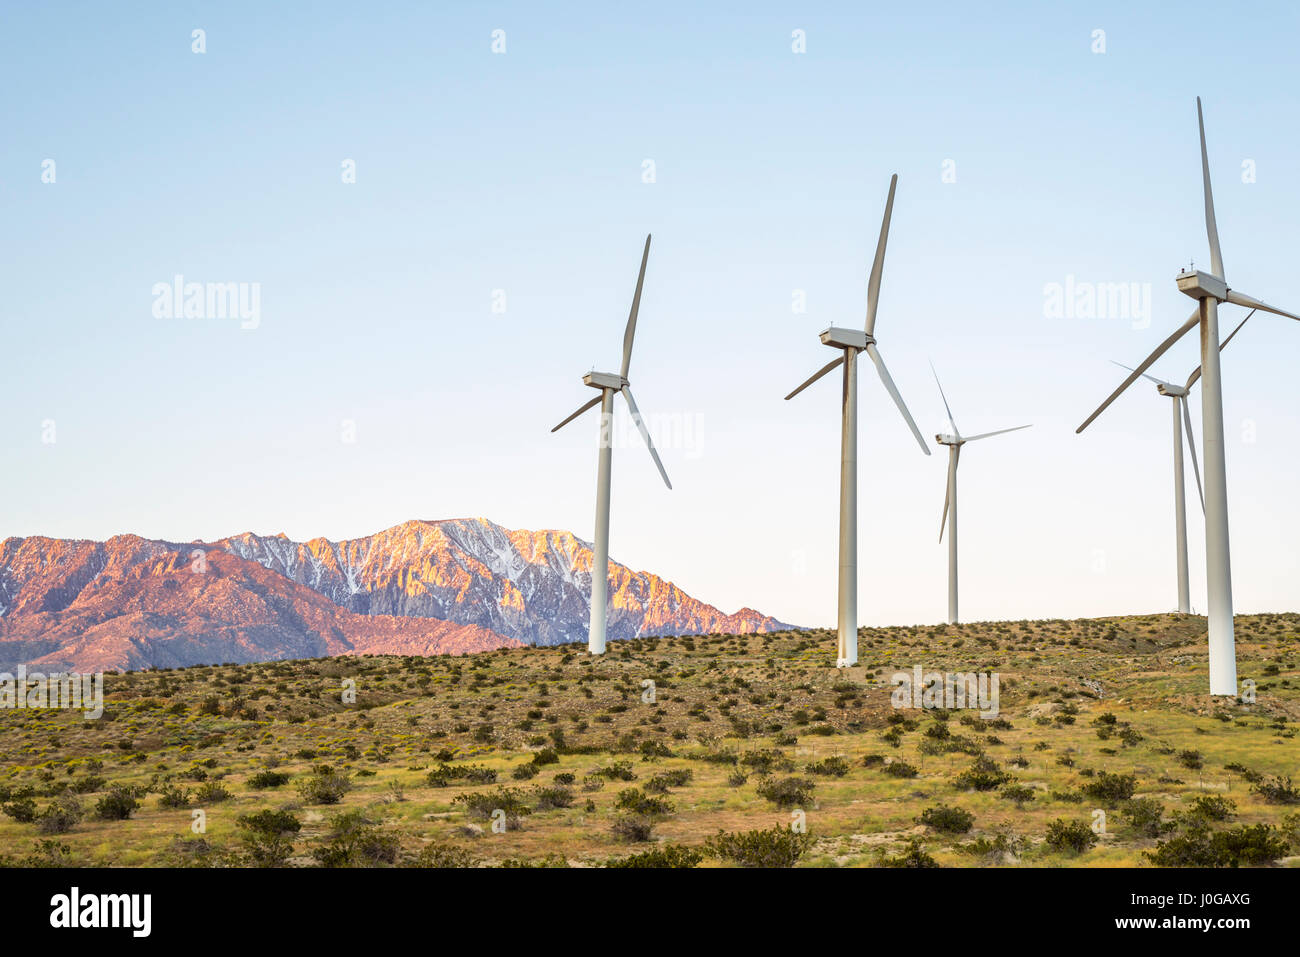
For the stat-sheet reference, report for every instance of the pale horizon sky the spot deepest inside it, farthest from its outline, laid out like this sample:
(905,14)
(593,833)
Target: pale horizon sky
(522,171)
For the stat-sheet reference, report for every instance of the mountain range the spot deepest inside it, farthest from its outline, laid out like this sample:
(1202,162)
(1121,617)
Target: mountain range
(422,587)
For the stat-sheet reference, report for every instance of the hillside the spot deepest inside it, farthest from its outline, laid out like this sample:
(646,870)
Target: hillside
(1101,724)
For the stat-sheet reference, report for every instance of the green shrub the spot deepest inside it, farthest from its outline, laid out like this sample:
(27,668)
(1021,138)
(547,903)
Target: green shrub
(268,836)
(913,855)
(61,816)
(324,786)
(1197,846)
(1073,836)
(1110,790)
(23,810)
(263,780)
(1277,790)
(983,775)
(1146,816)
(835,767)
(1212,808)
(669,855)
(443,856)
(947,820)
(787,792)
(117,805)
(354,839)
(775,847)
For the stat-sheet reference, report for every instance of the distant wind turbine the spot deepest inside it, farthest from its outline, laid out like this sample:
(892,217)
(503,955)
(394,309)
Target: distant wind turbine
(1209,289)
(608,384)
(851,342)
(1182,415)
(955,440)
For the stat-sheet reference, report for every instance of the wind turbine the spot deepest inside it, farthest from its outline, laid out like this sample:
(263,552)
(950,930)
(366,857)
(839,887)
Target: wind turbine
(851,342)
(955,440)
(608,384)
(1209,289)
(1182,415)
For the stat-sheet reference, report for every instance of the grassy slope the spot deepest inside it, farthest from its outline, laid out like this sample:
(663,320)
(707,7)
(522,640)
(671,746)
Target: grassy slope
(713,694)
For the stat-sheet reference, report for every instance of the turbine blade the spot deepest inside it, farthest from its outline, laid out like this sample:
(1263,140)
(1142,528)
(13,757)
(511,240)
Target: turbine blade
(985,435)
(630,332)
(1191,444)
(585,406)
(893,393)
(1241,299)
(1211,228)
(1196,373)
(1144,375)
(877,266)
(943,522)
(952,468)
(645,434)
(816,375)
(1146,364)
(951,423)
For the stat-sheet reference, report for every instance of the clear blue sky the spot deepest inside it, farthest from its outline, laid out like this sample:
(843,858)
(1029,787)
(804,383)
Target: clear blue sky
(523,172)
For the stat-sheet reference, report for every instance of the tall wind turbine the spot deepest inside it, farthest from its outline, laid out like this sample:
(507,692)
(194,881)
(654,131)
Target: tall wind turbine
(1182,415)
(850,342)
(955,440)
(608,384)
(1209,289)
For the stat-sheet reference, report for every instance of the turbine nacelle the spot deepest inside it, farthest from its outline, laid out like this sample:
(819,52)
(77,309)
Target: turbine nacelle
(1202,285)
(945,439)
(605,380)
(1173,391)
(838,338)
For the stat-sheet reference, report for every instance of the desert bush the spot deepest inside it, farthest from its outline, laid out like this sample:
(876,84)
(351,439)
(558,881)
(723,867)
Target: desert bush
(173,797)
(900,769)
(443,856)
(774,847)
(1018,794)
(1277,790)
(117,805)
(22,810)
(555,796)
(983,775)
(263,780)
(835,767)
(1110,790)
(913,855)
(268,836)
(661,782)
(947,820)
(1197,846)
(354,839)
(669,855)
(324,786)
(1072,836)
(787,792)
(618,771)
(1211,807)
(1146,816)
(61,816)
(509,801)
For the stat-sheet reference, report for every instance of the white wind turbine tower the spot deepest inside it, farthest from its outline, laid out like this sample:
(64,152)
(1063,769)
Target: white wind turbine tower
(851,342)
(955,440)
(1182,415)
(608,384)
(1209,289)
